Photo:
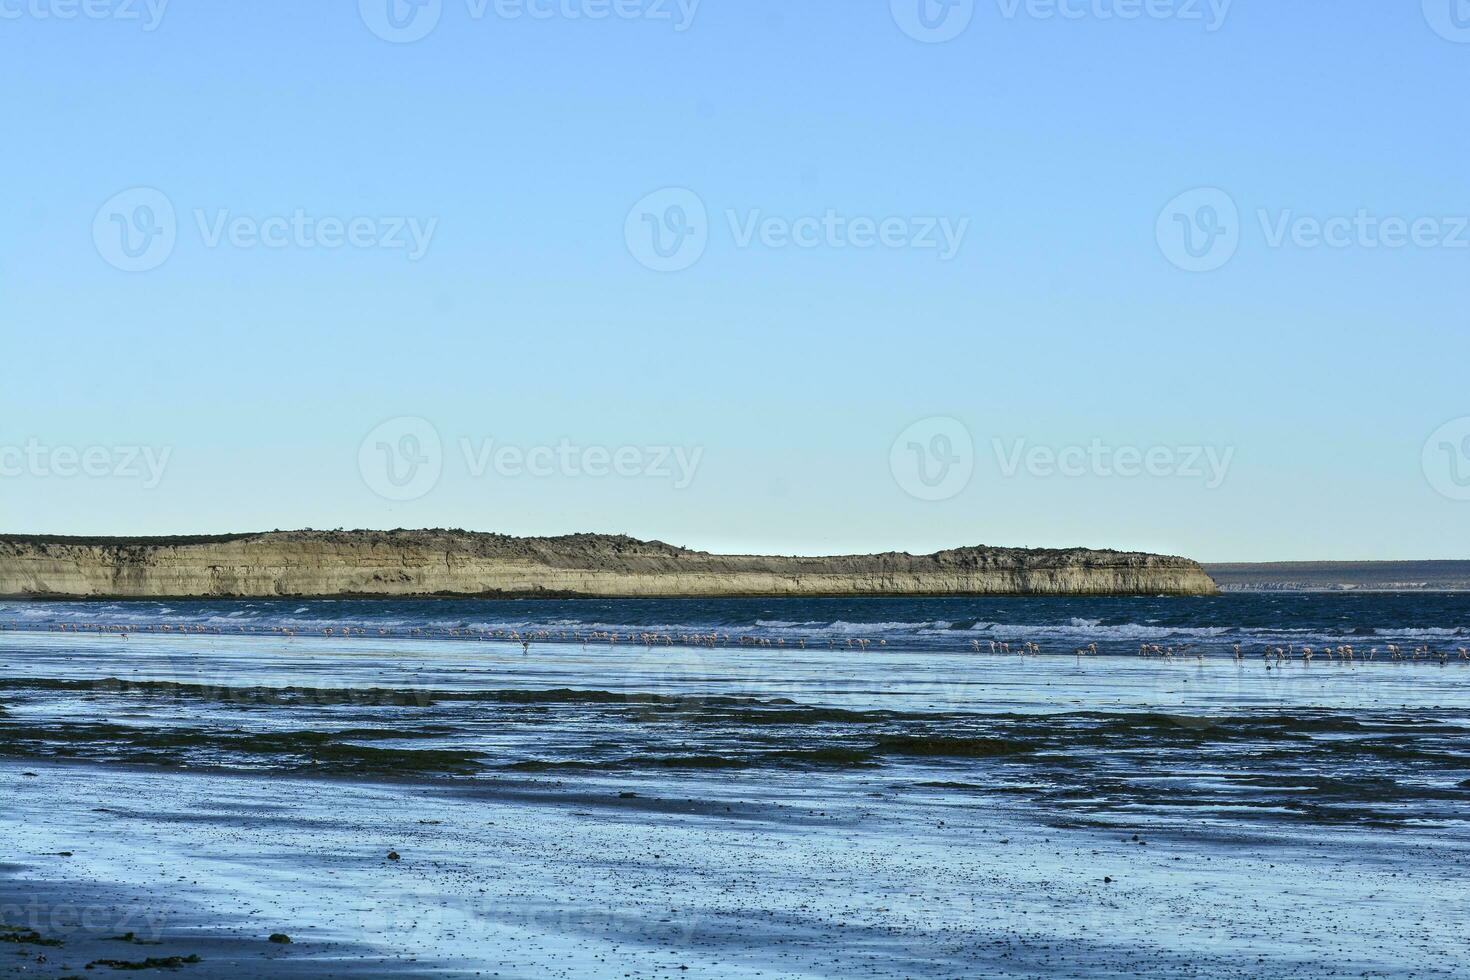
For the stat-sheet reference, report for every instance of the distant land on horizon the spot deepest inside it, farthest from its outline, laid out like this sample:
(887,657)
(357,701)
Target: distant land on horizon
(403,562)
(1341,576)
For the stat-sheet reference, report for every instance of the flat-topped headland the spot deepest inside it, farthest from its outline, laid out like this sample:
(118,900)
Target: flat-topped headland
(464,563)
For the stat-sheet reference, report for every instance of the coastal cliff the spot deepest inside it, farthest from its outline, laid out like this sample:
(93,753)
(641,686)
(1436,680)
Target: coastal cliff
(402,563)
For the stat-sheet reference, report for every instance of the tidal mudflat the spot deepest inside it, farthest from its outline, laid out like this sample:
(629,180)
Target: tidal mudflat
(418,792)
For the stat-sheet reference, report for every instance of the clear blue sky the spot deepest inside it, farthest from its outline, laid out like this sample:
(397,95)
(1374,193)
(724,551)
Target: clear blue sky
(1061,320)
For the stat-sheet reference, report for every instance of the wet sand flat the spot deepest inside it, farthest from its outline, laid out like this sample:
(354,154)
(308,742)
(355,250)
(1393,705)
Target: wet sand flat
(410,806)
(748,878)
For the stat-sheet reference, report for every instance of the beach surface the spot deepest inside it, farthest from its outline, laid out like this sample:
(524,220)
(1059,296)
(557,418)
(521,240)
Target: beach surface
(417,805)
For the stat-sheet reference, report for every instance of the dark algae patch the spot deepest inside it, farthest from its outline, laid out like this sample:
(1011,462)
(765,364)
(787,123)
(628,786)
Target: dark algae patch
(291,751)
(949,746)
(29,937)
(151,963)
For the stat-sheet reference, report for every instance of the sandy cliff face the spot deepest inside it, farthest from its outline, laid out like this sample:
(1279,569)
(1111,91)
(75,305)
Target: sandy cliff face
(397,563)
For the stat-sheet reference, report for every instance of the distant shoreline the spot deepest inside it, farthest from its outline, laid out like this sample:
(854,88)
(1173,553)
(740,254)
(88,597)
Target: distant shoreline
(1341,576)
(427,563)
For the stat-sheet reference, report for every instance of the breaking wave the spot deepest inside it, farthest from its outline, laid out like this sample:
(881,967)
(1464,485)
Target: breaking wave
(1059,624)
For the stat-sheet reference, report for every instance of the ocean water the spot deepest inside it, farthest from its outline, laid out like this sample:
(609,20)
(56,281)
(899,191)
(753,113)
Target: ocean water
(886,792)
(1059,623)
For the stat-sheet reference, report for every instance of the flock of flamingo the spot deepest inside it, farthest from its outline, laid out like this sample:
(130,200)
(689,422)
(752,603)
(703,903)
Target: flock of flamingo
(1271,655)
(1346,653)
